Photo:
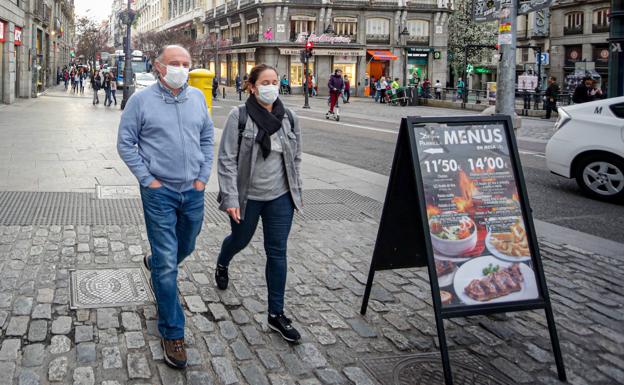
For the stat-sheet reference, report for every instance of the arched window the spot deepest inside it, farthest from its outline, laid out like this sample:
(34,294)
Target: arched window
(600,22)
(573,23)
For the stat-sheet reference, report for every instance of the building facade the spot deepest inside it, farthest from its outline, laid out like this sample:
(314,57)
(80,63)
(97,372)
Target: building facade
(36,38)
(364,38)
(184,15)
(149,13)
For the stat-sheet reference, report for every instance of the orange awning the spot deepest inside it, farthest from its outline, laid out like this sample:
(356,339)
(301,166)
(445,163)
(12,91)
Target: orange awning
(382,55)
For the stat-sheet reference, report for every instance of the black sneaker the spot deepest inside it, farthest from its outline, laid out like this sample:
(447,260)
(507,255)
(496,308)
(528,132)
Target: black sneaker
(146,263)
(221,276)
(283,325)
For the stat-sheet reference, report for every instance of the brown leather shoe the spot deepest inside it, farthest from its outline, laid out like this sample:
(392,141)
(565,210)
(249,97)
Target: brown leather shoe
(174,352)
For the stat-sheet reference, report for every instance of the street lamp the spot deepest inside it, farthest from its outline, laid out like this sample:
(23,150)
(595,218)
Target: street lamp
(404,32)
(127,18)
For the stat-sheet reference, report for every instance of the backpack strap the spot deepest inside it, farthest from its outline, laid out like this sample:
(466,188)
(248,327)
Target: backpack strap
(291,119)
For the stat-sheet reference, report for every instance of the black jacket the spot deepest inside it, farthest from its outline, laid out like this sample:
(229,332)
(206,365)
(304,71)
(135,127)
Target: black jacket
(582,94)
(552,92)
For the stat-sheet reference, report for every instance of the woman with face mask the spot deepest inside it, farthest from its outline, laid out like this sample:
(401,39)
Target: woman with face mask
(259,177)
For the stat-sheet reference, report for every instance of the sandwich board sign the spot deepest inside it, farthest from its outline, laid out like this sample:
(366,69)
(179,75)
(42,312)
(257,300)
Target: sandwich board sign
(457,204)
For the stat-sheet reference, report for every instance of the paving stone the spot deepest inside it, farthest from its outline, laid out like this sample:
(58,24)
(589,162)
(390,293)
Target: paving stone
(135,250)
(138,366)
(323,335)
(224,370)
(268,359)
(5,300)
(28,377)
(62,325)
(110,383)
(134,340)
(59,344)
(18,326)
(84,376)
(85,352)
(156,349)
(334,321)
(241,351)
(170,376)
(357,376)
(42,311)
(83,315)
(254,306)
(252,335)
(33,355)
(215,346)
(83,333)
(330,376)
(198,378)
(38,330)
(240,316)
(195,304)
(253,374)
(107,318)
(130,321)
(362,328)
(293,364)
(111,358)
(193,357)
(8,371)
(108,336)
(100,243)
(218,311)
(309,381)
(22,306)
(10,349)
(57,370)
(280,379)
(512,371)
(310,354)
(3,317)
(228,330)
(203,324)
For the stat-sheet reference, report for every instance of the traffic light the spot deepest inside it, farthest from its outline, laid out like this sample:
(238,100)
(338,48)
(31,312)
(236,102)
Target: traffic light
(309,49)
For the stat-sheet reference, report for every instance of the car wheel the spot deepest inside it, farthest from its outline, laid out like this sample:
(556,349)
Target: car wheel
(601,177)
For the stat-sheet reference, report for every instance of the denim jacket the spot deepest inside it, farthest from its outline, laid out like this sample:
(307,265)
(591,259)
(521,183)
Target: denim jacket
(236,166)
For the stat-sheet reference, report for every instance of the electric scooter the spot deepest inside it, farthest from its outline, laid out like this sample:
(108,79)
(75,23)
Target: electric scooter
(336,114)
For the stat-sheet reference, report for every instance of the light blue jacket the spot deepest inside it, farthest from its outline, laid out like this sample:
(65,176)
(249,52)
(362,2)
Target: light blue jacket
(166,137)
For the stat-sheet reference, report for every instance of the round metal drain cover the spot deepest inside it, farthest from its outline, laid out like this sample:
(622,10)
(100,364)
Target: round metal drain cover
(424,370)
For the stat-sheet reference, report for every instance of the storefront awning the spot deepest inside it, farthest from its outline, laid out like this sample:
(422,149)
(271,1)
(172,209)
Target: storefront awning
(382,55)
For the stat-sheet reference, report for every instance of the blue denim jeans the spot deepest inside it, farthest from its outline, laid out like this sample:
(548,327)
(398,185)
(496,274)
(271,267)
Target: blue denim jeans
(173,221)
(277,217)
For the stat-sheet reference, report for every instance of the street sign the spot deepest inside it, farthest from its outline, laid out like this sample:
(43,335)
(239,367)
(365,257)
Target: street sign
(437,55)
(544,58)
(457,204)
(469,68)
(529,6)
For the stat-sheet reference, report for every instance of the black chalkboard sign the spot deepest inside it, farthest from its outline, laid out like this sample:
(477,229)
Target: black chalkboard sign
(457,204)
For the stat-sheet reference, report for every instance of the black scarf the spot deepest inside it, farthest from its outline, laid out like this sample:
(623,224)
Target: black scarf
(268,122)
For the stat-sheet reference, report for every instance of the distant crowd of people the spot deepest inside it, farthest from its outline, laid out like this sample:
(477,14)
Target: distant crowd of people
(75,77)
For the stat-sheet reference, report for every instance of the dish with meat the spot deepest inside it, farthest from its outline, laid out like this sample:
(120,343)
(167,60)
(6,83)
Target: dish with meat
(487,280)
(445,271)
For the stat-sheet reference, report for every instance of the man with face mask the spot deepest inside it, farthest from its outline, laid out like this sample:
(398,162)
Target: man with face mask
(166,139)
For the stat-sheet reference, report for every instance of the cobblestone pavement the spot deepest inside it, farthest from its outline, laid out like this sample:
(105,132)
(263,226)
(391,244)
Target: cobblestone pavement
(42,341)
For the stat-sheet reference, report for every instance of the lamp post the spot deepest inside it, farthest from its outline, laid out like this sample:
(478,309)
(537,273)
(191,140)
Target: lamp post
(616,48)
(404,32)
(127,17)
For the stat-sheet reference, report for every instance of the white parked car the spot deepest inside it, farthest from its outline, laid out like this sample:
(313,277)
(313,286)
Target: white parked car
(588,145)
(144,79)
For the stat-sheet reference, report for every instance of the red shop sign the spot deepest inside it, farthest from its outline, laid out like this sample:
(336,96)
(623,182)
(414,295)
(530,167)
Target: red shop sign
(3,25)
(18,35)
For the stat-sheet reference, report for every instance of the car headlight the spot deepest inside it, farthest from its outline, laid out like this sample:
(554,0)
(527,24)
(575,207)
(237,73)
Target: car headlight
(562,119)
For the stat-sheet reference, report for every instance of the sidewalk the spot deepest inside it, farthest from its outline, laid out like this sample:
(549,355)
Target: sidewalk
(43,341)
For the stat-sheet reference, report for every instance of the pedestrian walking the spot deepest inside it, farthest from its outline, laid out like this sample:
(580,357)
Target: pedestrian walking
(346,95)
(65,78)
(383,89)
(215,87)
(335,84)
(460,89)
(550,96)
(106,84)
(113,89)
(83,76)
(438,90)
(172,167)
(377,90)
(259,177)
(96,85)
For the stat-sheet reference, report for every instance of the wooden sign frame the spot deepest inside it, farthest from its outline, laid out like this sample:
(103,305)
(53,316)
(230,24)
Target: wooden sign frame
(404,238)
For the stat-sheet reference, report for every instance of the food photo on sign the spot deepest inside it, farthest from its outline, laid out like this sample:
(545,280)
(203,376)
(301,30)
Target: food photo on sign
(476,225)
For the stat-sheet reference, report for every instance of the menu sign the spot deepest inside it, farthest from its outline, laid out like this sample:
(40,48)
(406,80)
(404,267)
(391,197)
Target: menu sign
(476,225)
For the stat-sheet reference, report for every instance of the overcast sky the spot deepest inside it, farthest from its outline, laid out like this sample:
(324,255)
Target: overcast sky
(95,9)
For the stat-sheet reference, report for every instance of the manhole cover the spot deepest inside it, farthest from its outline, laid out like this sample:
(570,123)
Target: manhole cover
(109,287)
(427,369)
(117,192)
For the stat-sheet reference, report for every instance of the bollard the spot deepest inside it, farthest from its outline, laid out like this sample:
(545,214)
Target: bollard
(202,79)
(223,92)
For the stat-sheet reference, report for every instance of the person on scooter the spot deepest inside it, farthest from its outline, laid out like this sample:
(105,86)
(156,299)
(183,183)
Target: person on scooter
(335,84)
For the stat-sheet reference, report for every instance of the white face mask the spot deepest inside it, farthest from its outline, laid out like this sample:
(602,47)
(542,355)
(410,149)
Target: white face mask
(268,94)
(176,76)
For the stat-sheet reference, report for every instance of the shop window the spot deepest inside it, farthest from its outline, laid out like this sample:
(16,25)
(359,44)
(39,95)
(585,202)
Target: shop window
(346,26)
(298,27)
(418,31)
(378,30)
(600,22)
(347,69)
(573,54)
(573,23)
(296,74)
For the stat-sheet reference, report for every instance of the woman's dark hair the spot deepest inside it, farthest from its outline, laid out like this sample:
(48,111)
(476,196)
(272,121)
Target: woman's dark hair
(255,74)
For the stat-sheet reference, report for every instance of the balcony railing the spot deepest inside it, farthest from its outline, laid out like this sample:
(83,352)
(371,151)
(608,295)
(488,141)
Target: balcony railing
(418,39)
(252,38)
(600,28)
(576,30)
(378,39)
(236,40)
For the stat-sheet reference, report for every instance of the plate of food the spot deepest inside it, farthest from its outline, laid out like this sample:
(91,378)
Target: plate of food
(512,245)
(453,235)
(445,270)
(487,280)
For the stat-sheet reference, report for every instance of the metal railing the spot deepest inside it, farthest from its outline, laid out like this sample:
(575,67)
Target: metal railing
(577,30)
(600,28)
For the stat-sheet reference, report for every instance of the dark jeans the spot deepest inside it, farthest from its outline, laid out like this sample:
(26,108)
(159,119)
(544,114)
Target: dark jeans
(277,217)
(382,96)
(550,106)
(107,97)
(173,220)
(113,92)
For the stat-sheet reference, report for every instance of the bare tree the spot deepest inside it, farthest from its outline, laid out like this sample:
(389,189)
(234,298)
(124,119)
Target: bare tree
(151,42)
(91,38)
